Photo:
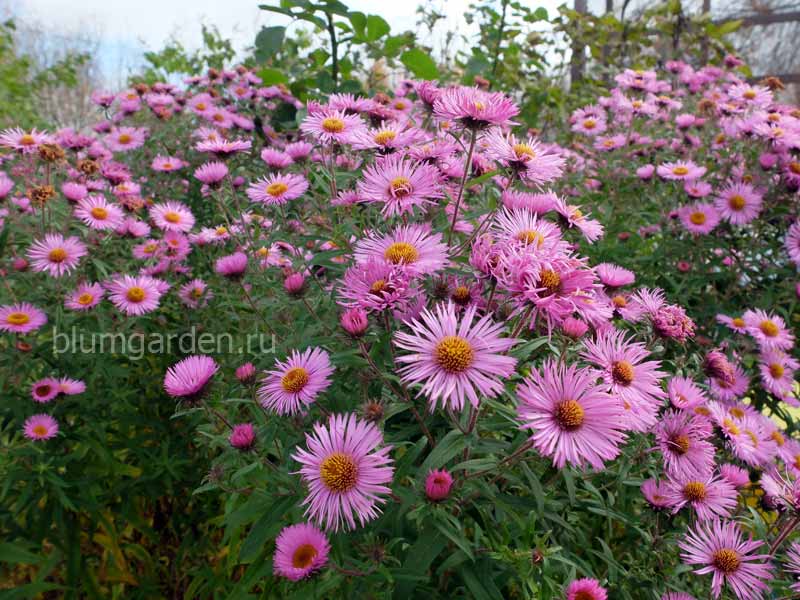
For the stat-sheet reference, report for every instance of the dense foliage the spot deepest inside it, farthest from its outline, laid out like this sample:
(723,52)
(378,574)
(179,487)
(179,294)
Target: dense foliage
(271,343)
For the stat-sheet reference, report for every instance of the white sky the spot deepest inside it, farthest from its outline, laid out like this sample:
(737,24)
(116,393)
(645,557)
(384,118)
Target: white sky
(127,28)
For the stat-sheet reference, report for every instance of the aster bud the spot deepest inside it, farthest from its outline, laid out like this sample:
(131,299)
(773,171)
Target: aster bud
(243,436)
(438,485)
(246,374)
(716,365)
(294,284)
(20,264)
(574,328)
(354,321)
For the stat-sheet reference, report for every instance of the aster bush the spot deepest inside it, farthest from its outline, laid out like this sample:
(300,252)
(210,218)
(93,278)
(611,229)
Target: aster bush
(443,357)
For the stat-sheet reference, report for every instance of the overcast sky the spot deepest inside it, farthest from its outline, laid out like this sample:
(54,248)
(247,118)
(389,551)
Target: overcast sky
(127,28)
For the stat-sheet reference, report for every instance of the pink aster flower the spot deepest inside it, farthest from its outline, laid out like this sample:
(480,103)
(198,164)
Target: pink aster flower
(346,467)
(299,551)
(25,142)
(438,484)
(243,436)
(195,294)
(453,358)
(40,427)
(656,494)
(222,147)
(719,548)
(21,318)
(573,421)
(413,247)
(681,171)
(792,565)
(134,295)
(474,108)
(188,378)
(735,323)
(682,438)
(277,189)
(123,139)
(777,372)
(96,212)
(792,242)
(735,475)
(533,161)
(294,384)
(399,184)
(614,276)
(586,589)
(328,125)
(71,387)
(635,381)
(44,390)
(707,494)
(172,216)
(232,266)
(211,173)
(84,297)
(700,218)
(166,164)
(73,191)
(375,286)
(684,393)
(739,203)
(677,596)
(769,330)
(55,254)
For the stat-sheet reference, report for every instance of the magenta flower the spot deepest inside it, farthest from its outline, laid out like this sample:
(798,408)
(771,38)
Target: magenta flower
(792,565)
(21,318)
(700,218)
(189,377)
(25,142)
(277,189)
(707,494)
(438,484)
(533,161)
(346,467)
(473,108)
(85,297)
(684,393)
(680,170)
(375,286)
(656,494)
(211,173)
(166,164)
(195,294)
(454,359)
(631,378)
(123,139)
(172,216)
(294,384)
(682,438)
(614,276)
(354,321)
(232,266)
(299,551)
(586,589)
(40,427)
(44,390)
(400,185)
(135,295)
(573,421)
(55,254)
(413,247)
(328,125)
(96,212)
(719,548)
(242,436)
(740,203)
(769,330)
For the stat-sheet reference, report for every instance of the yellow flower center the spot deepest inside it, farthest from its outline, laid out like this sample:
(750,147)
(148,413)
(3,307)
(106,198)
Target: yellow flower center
(40,430)
(339,472)
(738,322)
(679,444)
(749,94)
(698,217)
(221,230)
(731,427)
(461,295)
(18,318)
(377,286)
(776,370)
(454,354)
(384,137)
(166,165)
(694,491)
(27,140)
(794,167)
(135,294)
(57,255)
(736,412)
(622,372)
(589,124)
(172,217)
(197,292)
(277,189)
(294,380)
(85,299)
(680,170)
(304,556)
(736,202)
(569,415)
(524,151)
(124,138)
(479,106)
(726,560)
(333,125)
(400,187)
(768,328)
(401,253)
(201,106)
(550,281)
(778,438)
(150,248)
(529,237)
(100,213)
(619,301)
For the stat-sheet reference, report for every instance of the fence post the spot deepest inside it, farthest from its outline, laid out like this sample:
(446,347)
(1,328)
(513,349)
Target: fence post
(578,60)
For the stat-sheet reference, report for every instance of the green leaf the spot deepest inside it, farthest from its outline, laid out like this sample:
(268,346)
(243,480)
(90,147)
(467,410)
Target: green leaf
(420,64)
(10,553)
(419,558)
(377,27)
(359,22)
(453,443)
(540,14)
(271,76)
(268,41)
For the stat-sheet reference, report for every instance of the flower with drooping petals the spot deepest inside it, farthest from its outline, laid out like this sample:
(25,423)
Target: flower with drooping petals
(295,384)
(682,438)
(474,108)
(347,468)
(299,551)
(719,548)
(454,359)
(211,173)
(573,420)
(232,266)
(188,378)
(399,184)
(656,494)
